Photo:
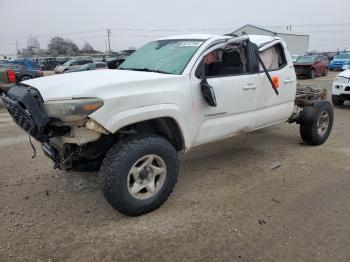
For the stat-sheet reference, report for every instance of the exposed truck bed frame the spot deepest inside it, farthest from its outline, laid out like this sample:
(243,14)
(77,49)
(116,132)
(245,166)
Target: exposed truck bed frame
(306,96)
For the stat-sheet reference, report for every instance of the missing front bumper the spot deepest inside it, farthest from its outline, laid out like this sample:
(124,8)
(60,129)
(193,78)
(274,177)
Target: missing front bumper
(25,106)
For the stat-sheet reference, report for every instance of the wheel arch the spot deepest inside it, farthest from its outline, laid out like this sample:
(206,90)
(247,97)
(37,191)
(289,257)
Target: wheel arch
(25,75)
(164,126)
(165,120)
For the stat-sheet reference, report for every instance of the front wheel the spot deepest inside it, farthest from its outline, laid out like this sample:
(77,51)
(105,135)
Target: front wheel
(316,123)
(312,74)
(139,173)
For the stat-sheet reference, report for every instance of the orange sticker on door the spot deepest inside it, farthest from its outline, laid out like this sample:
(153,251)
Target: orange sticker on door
(276,81)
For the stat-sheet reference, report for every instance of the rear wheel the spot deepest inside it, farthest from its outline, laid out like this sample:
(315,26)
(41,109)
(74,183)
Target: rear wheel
(337,101)
(139,174)
(23,78)
(316,123)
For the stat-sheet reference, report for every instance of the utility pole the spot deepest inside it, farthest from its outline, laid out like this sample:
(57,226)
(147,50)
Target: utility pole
(17,47)
(109,40)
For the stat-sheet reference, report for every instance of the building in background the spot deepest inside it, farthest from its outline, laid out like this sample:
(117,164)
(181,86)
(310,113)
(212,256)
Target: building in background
(298,44)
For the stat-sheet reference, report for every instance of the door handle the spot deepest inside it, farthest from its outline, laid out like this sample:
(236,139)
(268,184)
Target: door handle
(250,86)
(288,81)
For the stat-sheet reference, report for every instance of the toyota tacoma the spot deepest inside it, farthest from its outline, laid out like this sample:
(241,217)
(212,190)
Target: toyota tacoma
(169,96)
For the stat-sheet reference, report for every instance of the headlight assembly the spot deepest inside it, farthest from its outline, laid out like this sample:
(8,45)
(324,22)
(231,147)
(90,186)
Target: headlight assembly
(72,110)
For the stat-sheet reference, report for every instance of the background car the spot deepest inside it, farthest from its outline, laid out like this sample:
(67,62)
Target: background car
(114,63)
(339,61)
(48,63)
(7,78)
(310,66)
(71,64)
(25,62)
(92,66)
(22,72)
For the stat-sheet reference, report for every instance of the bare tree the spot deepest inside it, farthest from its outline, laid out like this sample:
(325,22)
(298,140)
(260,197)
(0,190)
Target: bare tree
(60,46)
(33,47)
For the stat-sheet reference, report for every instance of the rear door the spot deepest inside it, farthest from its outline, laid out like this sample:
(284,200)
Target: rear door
(236,95)
(272,108)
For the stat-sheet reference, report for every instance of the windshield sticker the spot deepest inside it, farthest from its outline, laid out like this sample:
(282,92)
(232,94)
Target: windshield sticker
(190,44)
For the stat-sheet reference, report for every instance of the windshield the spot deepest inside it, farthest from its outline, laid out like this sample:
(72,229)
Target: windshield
(306,59)
(343,56)
(163,56)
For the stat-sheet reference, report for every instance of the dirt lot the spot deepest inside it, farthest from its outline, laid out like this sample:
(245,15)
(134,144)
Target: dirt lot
(262,197)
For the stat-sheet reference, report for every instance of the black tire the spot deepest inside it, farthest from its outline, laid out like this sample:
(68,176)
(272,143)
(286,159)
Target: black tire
(336,101)
(312,73)
(310,121)
(117,165)
(26,77)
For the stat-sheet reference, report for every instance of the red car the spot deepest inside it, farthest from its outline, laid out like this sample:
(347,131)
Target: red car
(311,66)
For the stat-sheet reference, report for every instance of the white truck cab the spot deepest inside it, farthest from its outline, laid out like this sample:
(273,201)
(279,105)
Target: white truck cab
(167,97)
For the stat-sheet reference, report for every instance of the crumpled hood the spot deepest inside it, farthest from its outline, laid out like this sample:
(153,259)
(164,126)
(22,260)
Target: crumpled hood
(89,83)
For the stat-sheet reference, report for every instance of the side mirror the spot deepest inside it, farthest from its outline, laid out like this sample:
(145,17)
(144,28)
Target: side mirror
(208,92)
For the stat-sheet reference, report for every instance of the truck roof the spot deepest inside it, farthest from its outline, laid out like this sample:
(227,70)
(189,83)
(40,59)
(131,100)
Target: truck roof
(256,39)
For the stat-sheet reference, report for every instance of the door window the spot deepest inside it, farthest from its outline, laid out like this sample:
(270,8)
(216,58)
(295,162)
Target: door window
(228,61)
(273,58)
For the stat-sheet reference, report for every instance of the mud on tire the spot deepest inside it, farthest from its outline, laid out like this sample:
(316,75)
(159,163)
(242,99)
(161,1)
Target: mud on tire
(316,123)
(116,173)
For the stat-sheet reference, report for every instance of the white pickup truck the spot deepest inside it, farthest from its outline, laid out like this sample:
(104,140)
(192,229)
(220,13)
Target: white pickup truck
(171,95)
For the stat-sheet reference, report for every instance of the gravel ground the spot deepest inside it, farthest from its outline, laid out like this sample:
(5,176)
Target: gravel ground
(261,197)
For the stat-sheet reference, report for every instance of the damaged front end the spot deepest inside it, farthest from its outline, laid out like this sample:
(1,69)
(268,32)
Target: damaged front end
(66,133)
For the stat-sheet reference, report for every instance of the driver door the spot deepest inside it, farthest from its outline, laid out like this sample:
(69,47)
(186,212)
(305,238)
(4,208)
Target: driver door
(236,96)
